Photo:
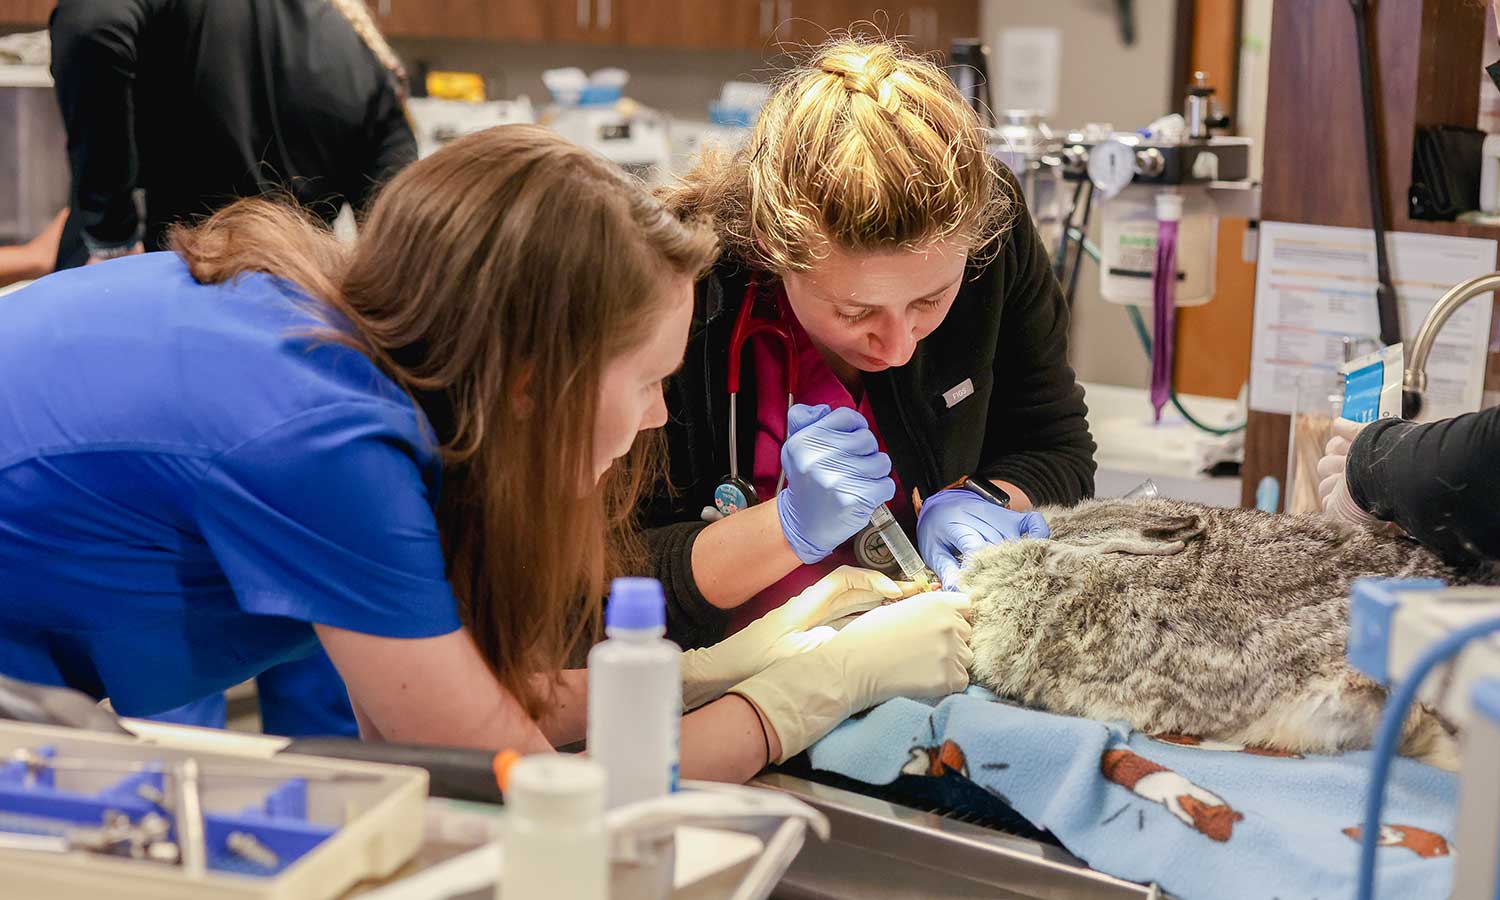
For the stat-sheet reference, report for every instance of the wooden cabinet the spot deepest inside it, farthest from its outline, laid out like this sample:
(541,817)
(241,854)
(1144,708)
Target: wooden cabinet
(687,24)
(956,19)
(930,25)
(756,24)
(810,22)
(725,24)
(935,24)
(697,25)
(514,20)
(27,13)
(584,21)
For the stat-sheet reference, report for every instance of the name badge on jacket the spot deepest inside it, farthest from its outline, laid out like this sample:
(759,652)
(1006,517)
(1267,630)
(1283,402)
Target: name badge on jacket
(958,393)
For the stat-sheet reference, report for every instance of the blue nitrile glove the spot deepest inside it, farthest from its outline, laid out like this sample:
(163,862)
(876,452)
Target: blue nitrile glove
(835,477)
(956,522)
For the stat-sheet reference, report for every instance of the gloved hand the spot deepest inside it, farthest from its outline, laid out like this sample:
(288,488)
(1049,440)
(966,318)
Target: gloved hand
(918,647)
(790,629)
(835,477)
(1333,490)
(958,521)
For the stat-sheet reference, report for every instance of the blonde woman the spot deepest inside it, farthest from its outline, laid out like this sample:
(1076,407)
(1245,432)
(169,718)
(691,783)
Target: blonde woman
(865,222)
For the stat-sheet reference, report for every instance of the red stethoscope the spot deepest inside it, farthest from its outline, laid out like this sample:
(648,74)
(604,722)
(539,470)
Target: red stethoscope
(758,315)
(767,316)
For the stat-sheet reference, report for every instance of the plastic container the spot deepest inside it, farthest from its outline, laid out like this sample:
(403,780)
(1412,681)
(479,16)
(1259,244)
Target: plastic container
(555,842)
(1320,396)
(1128,244)
(1373,385)
(635,695)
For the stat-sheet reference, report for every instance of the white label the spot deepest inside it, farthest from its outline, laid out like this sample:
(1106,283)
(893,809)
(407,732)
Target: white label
(1030,69)
(958,393)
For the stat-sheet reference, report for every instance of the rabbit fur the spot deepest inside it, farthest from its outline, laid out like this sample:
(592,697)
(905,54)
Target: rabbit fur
(1225,624)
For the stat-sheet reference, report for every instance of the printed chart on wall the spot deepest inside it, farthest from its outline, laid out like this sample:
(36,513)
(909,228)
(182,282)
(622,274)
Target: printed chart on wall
(1315,285)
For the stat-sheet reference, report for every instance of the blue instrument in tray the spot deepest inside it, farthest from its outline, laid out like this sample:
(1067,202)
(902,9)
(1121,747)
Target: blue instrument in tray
(133,816)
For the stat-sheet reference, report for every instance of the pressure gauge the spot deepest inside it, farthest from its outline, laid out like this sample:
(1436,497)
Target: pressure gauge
(1111,167)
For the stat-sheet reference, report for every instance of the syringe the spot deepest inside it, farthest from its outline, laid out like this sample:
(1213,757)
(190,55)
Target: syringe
(906,555)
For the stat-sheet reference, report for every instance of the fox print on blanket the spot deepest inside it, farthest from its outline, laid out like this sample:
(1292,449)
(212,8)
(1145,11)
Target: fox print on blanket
(1199,809)
(1225,624)
(933,762)
(1420,841)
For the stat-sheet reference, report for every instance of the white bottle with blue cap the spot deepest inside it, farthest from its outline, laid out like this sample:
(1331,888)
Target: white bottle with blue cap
(635,695)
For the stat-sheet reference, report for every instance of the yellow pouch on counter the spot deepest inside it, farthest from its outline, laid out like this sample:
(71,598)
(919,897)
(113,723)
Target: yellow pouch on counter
(467,86)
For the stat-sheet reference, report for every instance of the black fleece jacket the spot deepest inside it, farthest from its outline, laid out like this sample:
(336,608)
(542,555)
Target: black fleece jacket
(1022,420)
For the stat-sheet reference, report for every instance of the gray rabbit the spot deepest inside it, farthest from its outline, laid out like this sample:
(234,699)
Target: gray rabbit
(1224,624)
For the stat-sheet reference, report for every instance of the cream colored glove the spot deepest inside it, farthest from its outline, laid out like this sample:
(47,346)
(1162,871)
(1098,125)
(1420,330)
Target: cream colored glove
(917,647)
(1333,490)
(790,629)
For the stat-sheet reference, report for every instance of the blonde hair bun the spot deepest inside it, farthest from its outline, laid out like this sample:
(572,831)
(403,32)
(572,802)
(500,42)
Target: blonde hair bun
(865,147)
(872,74)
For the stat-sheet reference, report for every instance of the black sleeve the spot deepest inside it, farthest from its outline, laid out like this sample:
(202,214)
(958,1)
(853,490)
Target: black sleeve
(691,620)
(392,146)
(94,55)
(1036,433)
(1439,481)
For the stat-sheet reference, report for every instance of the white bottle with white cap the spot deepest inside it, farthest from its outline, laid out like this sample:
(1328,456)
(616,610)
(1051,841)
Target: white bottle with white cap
(555,843)
(635,695)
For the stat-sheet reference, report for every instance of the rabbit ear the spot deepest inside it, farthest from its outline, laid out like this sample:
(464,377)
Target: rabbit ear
(1173,528)
(1153,534)
(1159,539)
(1139,547)
(1069,563)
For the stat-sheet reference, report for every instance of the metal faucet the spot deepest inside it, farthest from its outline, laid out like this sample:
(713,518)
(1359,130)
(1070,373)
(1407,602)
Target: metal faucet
(1414,380)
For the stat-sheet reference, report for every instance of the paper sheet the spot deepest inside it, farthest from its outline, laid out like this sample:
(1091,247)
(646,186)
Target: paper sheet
(1030,69)
(1315,284)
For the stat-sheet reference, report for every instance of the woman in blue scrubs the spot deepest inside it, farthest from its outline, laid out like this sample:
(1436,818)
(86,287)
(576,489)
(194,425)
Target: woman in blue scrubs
(411,451)
(207,469)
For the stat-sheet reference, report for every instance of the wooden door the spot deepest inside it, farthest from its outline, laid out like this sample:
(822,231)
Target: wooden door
(723,25)
(1213,341)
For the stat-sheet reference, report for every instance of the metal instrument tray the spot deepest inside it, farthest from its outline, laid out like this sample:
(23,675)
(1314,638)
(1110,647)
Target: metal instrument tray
(882,850)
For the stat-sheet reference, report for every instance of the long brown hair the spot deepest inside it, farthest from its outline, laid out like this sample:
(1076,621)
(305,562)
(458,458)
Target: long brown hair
(494,280)
(866,146)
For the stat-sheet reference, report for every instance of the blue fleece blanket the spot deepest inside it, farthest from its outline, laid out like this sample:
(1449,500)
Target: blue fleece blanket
(1202,820)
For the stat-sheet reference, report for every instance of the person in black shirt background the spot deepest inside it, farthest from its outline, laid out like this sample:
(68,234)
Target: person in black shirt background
(199,102)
